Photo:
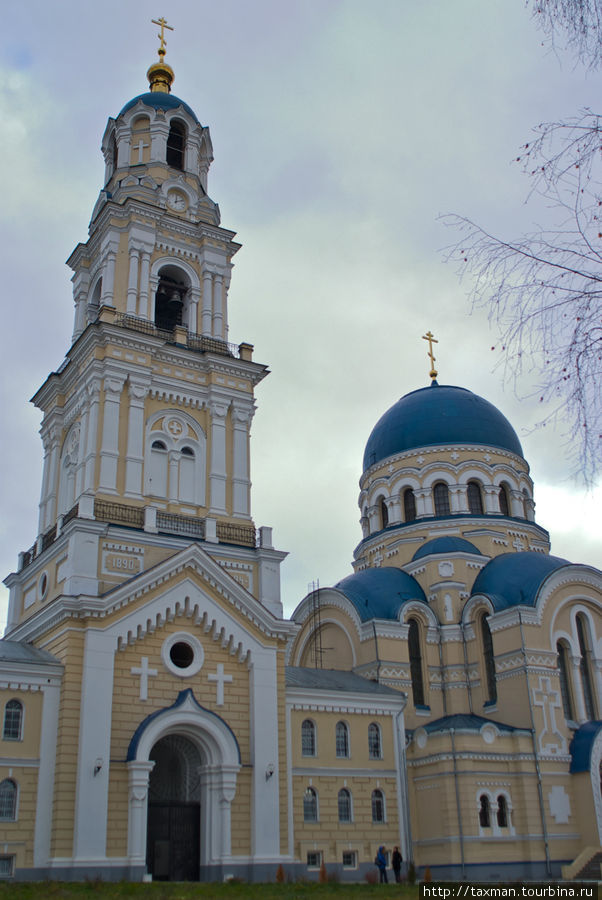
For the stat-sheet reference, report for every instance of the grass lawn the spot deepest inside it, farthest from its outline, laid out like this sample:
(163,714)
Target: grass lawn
(98,890)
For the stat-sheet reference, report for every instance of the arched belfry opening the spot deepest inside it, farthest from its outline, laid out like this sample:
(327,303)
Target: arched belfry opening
(171,298)
(176,144)
(174,810)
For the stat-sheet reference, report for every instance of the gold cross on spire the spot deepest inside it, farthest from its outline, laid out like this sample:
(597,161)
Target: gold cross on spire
(432,340)
(162,23)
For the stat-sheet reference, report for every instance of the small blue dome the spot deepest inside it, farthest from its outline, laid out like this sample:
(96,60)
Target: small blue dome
(439,414)
(446,545)
(158,100)
(380,593)
(514,579)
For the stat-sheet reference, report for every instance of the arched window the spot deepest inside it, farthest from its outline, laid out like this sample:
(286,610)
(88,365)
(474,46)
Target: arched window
(584,667)
(342,740)
(384,512)
(310,805)
(484,811)
(374,742)
(475,498)
(504,500)
(13,721)
(488,659)
(415,662)
(344,805)
(409,505)
(378,807)
(563,674)
(502,812)
(308,738)
(169,302)
(441,499)
(186,486)
(176,141)
(8,800)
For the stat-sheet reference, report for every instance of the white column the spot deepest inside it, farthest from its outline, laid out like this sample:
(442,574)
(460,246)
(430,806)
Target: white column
(81,453)
(374,518)
(193,310)
(492,505)
(154,284)
(91,436)
(217,473)
(159,133)
(53,478)
(241,484)
(424,502)
(218,314)
(51,694)
(138,773)
(109,450)
(207,302)
(108,279)
(580,714)
(458,498)
(517,508)
(134,460)
(263,704)
(132,294)
(394,508)
(143,309)
(92,791)
(225,306)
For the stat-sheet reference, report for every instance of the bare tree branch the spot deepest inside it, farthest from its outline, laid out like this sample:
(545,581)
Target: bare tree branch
(574,24)
(544,291)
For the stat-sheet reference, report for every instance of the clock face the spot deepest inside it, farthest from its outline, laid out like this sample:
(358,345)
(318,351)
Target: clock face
(176,200)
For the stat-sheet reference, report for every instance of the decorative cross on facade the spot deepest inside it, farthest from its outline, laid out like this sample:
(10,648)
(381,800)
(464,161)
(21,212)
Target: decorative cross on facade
(162,22)
(140,148)
(518,545)
(548,700)
(220,679)
(144,672)
(432,340)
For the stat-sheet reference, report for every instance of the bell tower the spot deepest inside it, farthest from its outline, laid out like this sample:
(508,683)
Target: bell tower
(146,423)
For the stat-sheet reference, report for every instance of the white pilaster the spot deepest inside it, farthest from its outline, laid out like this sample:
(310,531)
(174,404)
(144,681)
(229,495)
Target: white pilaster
(424,502)
(159,133)
(92,790)
(91,435)
(458,498)
(132,294)
(109,454)
(218,312)
(206,315)
(108,278)
(134,460)
(193,310)
(241,485)
(217,473)
(154,284)
(492,504)
(143,309)
(48,737)
(580,714)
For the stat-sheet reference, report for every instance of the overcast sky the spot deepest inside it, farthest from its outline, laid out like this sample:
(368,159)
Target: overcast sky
(342,130)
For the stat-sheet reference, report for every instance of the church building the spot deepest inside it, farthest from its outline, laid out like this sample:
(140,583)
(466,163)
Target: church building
(160,716)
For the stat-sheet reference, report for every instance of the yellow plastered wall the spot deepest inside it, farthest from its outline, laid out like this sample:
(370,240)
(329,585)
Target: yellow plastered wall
(17,837)
(28,747)
(68,649)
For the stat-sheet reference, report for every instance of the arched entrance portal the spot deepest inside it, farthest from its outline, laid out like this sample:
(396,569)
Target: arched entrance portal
(174,810)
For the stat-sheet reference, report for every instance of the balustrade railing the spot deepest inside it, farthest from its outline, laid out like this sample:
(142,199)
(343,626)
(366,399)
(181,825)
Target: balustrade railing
(199,342)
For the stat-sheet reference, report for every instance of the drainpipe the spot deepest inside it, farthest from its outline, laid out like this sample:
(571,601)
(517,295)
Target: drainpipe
(442,673)
(542,809)
(409,847)
(460,828)
(376,652)
(466,669)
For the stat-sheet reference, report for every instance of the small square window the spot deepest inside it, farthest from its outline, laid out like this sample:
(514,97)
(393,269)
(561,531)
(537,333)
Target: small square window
(7,866)
(314,859)
(349,859)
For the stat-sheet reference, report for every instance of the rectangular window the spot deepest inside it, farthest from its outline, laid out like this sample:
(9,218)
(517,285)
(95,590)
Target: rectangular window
(349,859)
(314,859)
(7,866)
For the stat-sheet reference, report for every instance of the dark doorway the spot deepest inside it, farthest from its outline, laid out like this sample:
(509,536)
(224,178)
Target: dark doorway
(174,811)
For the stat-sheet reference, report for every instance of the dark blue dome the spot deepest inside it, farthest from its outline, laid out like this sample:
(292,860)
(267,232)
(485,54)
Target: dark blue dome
(439,414)
(514,579)
(446,545)
(380,593)
(159,100)
(581,746)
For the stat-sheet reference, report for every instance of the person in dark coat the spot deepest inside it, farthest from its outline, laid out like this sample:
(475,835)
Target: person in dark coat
(396,861)
(381,862)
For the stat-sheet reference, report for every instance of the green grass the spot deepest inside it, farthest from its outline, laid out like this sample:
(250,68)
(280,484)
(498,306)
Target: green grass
(98,890)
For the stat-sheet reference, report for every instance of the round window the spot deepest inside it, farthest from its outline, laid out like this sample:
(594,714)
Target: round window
(182,654)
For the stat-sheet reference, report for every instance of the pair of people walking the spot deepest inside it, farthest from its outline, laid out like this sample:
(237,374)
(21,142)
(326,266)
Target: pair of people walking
(381,863)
